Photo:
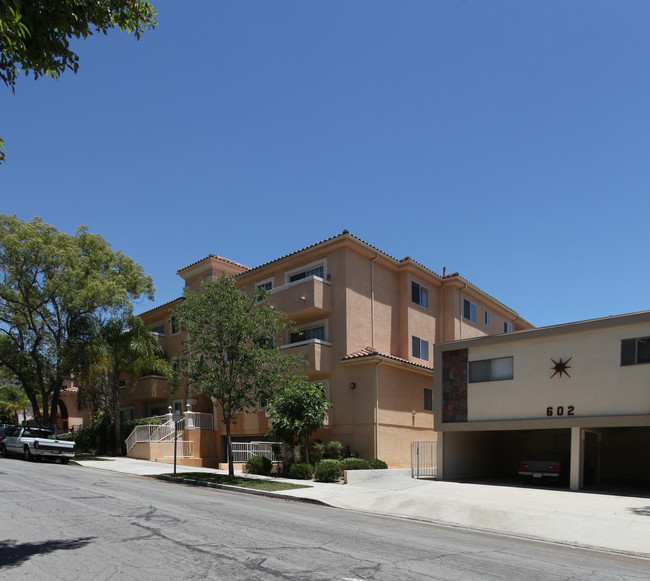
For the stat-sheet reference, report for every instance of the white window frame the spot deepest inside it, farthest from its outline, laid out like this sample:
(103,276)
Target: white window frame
(304,268)
(421,342)
(472,310)
(422,291)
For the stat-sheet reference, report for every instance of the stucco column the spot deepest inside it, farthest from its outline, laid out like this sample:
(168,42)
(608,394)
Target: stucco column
(440,458)
(577,458)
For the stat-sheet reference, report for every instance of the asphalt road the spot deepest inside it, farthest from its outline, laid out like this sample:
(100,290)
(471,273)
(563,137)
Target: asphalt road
(70,522)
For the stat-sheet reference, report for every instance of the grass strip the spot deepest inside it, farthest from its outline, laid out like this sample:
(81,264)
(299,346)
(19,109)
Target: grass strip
(256,484)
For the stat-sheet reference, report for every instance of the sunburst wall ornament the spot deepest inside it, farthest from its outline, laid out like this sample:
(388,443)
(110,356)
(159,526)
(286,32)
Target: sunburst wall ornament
(560,367)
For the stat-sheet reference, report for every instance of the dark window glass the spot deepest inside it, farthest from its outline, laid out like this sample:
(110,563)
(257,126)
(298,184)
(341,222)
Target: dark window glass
(428,399)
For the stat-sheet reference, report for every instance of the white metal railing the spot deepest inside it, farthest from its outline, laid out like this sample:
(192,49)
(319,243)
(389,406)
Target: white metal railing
(242,451)
(424,461)
(154,433)
(199,421)
(184,448)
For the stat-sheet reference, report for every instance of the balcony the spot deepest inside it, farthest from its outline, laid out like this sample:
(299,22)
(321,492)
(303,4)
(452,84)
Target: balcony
(316,353)
(147,388)
(304,300)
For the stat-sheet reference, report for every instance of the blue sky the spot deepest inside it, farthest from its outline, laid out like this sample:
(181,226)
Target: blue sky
(505,140)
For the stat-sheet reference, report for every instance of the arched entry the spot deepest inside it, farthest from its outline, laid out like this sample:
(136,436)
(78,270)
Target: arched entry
(62,417)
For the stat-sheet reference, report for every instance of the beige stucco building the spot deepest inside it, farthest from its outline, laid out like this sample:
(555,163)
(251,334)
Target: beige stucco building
(367,324)
(580,389)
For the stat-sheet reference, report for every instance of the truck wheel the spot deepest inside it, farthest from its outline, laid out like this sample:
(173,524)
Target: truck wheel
(28,454)
(65,460)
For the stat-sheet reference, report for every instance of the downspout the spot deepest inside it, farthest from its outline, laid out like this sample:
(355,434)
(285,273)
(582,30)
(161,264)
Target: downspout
(372,300)
(377,409)
(461,312)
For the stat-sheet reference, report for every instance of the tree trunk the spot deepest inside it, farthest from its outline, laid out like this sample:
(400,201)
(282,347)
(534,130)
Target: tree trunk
(231,464)
(115,389)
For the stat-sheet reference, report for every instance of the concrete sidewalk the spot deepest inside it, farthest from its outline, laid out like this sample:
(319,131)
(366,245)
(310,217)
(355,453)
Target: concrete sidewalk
(614,523)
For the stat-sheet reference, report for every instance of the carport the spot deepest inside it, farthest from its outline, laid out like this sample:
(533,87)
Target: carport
(596,455)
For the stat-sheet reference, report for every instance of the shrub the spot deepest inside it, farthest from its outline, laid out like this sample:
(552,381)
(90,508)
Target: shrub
(259,465)
(96,438)
(376,464)
(301,471)
(331,450)
(355,464)
(328,470)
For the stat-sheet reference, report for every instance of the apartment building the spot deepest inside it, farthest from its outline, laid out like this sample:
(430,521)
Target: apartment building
(364,322)
(578,391)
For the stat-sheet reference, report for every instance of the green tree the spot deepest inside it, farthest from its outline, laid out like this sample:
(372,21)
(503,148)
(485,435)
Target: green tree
(297,410)
(231,353)
(12,398)
(52,285)
(120,345)
(35,34)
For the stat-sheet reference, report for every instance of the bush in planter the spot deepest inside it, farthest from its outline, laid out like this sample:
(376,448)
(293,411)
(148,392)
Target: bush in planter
(259,465)
(376,464)
(328,470)
(355,464)
(301,471)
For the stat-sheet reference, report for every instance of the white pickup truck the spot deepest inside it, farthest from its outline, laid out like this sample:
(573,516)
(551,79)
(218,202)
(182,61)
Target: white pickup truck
(33,443)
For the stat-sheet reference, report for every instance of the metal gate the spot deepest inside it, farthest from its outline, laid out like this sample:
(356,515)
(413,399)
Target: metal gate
(424,459)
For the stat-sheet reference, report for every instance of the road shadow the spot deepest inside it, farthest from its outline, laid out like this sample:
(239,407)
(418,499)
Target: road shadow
(642,510)
(13,553)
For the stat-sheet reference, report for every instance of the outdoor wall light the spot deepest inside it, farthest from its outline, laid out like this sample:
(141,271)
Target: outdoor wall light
(353,385)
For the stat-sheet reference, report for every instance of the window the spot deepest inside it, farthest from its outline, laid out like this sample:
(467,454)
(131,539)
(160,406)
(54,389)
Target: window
(266,285)
(419,295)
(491,369)
(307,334)
(420,348)
(635,351)
(174,325)
(507,327)
(159,329)
(487,317)
(316,270)
(428,399)
(469,310)
(121,383)
(127,414)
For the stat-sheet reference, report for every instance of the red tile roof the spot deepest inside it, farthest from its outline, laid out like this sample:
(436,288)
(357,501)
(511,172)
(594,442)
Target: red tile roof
(217,257)
(372,352)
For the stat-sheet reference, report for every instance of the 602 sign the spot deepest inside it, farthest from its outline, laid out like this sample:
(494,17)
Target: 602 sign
(560,411)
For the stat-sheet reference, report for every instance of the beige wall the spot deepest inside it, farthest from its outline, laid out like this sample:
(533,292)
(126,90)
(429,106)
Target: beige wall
(598,385)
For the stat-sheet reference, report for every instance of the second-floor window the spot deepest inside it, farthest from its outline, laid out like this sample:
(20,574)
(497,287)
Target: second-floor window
(496,369)
(635,351)
(159,329)
(419,295)
(174,326)
(507,327)
(317,270)
(420,348)
(469,310)
(265,285)
(307,334)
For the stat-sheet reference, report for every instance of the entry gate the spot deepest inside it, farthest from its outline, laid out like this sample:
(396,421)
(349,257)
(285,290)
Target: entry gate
(424,459)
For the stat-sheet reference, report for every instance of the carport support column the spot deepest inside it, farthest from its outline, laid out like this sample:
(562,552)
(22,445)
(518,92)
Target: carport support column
(577,458)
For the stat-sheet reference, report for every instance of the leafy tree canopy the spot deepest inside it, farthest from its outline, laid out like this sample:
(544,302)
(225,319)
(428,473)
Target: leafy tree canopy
(35,34)
(118,345)
(51,287)
(297,410)
(231,354)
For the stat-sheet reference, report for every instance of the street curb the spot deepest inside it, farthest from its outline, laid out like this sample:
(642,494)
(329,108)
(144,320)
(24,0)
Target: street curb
(265,493)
